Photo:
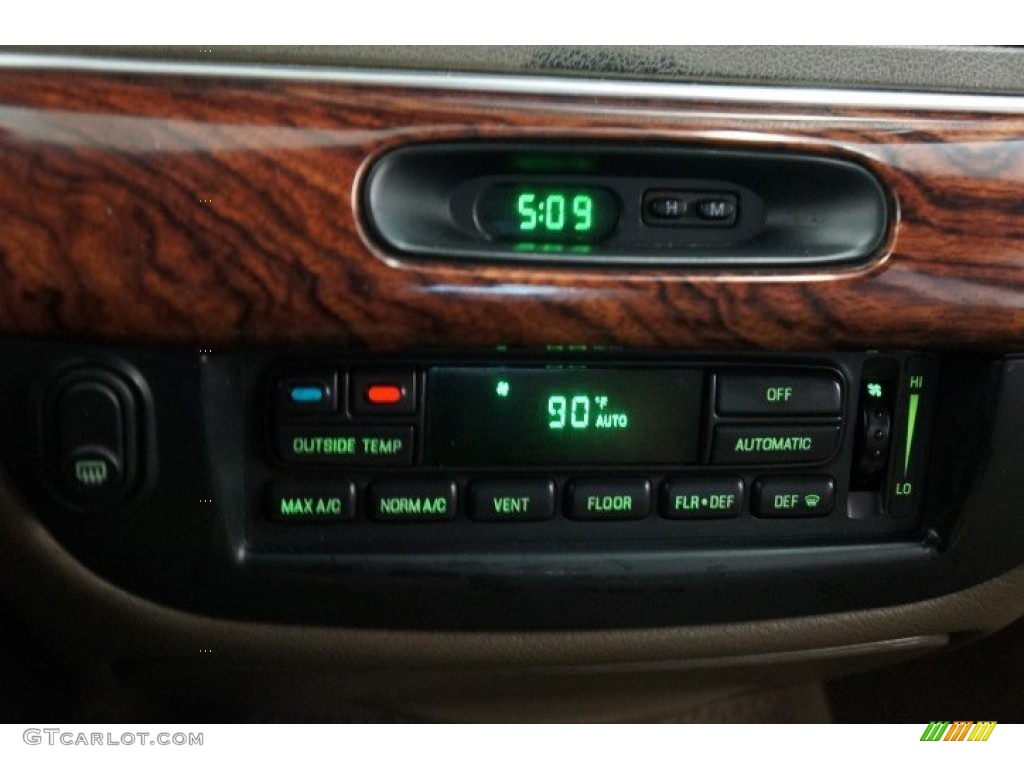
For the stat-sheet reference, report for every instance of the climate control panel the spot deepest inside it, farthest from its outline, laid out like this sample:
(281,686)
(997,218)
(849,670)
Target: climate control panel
(503,488)
(753,450)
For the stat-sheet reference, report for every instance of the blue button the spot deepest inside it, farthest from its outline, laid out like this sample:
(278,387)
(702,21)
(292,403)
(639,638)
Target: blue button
(307,395)
(310,392)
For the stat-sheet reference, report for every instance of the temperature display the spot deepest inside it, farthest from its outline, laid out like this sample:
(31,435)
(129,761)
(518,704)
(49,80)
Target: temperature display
(547,213)
(573,416)
(575,412)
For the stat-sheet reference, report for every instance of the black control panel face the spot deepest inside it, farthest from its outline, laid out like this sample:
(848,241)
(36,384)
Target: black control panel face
(567,487)
(357,456)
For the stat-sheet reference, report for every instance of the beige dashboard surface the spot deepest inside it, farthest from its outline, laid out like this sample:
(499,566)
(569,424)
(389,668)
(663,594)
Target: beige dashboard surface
(89,622)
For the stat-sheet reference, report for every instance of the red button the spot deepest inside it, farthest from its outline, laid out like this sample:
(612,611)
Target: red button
(383,394)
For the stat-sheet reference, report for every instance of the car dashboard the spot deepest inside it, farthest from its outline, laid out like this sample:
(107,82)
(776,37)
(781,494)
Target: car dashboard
(560,380)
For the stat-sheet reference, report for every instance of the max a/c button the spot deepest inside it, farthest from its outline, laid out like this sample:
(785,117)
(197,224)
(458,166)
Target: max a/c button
(313,503)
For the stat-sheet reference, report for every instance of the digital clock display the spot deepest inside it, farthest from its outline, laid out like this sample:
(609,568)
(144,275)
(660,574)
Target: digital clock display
(547,213)
(573,416)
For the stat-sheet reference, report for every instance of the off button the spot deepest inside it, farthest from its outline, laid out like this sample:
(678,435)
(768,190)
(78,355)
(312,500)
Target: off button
(609,499)
(796,394)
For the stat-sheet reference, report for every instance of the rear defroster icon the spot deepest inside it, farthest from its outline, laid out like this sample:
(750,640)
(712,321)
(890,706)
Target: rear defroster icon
(91,472)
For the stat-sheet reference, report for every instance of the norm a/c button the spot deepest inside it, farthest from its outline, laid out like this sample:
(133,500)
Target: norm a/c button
(609,499)
(796,394)
(412,501)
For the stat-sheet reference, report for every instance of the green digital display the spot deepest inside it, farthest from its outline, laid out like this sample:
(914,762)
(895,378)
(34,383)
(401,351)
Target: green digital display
(562,416)
(542,213)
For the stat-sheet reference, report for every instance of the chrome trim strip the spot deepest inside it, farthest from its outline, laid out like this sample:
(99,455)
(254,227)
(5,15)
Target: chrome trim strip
(540,85)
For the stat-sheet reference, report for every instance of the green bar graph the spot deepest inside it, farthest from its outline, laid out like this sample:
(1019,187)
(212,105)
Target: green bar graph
(911,422)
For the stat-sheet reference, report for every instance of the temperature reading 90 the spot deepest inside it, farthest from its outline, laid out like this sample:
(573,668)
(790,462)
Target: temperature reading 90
(561,414)
(582,412)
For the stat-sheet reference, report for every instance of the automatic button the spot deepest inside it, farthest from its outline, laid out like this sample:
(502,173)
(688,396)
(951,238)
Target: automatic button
(797,394)
(755,444)
(794,496)
(609,500)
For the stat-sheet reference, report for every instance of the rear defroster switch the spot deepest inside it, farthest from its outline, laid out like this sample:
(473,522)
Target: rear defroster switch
(91,436)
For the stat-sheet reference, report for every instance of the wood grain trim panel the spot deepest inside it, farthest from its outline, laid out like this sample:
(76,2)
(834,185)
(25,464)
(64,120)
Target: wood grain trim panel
(217,211)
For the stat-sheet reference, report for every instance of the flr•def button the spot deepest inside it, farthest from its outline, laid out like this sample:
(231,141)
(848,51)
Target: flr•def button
(702,498)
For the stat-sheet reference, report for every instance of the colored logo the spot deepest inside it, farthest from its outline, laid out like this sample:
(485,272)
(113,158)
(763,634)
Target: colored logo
(959,731)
